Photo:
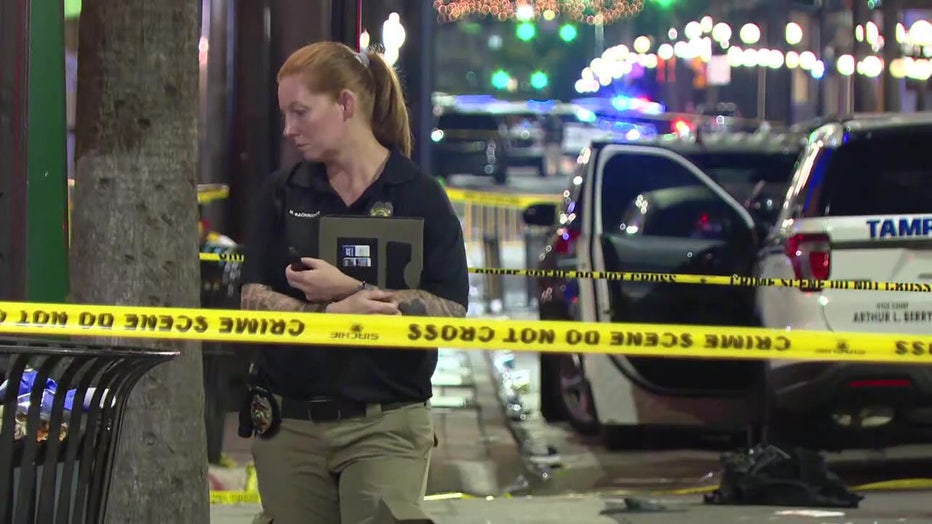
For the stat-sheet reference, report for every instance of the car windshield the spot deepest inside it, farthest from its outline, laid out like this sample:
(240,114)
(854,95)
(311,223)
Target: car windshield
(890,173)
(522,122)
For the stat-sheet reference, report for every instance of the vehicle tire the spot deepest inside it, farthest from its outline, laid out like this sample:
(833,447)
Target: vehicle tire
(550,402)
(500,176)
(574,396)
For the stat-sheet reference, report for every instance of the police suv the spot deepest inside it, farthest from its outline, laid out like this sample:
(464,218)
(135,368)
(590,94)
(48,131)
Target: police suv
(859,208)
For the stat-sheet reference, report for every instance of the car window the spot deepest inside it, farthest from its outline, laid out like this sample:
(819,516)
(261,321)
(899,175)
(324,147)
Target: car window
(467,121)
(693,212)
(628,176)
(890,173)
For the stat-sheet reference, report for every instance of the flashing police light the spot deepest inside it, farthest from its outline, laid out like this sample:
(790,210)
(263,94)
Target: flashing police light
(584,115)
(640,105)
(473,99)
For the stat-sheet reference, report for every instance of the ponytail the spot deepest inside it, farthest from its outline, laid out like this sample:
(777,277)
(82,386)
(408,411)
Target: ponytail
(390,122)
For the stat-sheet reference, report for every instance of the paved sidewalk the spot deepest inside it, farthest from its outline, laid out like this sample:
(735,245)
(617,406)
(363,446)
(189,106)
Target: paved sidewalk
(877,508)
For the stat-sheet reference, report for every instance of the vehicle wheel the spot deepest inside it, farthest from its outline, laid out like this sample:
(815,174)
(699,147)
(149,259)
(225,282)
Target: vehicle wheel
(550,401)
(500,176)
(576,396)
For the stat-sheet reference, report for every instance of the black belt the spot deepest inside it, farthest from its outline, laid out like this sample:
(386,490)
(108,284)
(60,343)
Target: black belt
(328,410)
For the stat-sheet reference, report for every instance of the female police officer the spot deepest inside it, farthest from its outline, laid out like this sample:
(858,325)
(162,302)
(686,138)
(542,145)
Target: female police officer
(355,430)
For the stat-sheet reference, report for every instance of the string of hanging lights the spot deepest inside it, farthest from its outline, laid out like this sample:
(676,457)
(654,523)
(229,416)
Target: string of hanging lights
(585,11)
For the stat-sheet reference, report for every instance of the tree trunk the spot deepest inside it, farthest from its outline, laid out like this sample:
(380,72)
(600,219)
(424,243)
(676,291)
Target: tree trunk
(135,238)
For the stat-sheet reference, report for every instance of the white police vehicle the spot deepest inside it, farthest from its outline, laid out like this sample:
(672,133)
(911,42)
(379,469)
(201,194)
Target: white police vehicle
(859,208)
(661,205)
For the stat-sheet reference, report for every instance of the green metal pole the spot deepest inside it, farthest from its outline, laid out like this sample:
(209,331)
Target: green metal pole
(47,178)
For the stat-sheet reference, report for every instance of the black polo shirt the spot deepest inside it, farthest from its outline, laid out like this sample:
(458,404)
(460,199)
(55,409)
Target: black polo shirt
(287,214)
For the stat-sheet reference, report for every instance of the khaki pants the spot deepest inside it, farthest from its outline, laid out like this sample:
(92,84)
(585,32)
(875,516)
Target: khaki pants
(354,471)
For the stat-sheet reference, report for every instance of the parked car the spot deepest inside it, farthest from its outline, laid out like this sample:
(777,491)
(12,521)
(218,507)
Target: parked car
(526,139)
(670,206)
(859,208)
(470,142)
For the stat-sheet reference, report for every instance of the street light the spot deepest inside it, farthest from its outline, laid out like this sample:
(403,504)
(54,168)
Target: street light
(845,65)
(524,12)
(642,44)
(794,33)
(920,34)
(364,40)
(871,66)
(393,37)
(749,34)
(721,32)
(693,30)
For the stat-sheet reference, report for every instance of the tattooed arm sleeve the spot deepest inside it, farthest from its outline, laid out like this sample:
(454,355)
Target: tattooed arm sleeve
(261,297)
(416,302)
(262,270)
(444,289)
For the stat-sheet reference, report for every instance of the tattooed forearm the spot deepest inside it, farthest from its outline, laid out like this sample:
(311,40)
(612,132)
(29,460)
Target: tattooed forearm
(262,298)
(415,302)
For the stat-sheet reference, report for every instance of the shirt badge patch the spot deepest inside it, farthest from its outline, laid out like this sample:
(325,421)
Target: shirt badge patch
(381,209)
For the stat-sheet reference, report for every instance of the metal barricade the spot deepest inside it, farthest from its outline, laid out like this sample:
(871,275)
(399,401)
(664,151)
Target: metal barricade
(535,240)
(63,405)
(480,220)
(494,289)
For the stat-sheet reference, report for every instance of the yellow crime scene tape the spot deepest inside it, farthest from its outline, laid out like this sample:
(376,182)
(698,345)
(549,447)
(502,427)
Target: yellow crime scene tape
(207,193)
(652,340)
(486,198)
(669,278)
(716,280)
(222,257)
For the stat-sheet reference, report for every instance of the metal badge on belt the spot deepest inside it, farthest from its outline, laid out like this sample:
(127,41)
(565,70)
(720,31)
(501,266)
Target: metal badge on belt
(264,412)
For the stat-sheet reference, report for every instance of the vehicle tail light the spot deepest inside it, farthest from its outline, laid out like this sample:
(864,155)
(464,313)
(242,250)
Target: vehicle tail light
(880,383)
(565,243)
(811,256)
(681,127)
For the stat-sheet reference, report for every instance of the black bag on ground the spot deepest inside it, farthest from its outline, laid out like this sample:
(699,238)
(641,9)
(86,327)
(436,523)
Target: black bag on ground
(770,476)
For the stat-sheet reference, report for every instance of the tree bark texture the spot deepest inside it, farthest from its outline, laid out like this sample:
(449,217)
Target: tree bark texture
(135,238)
